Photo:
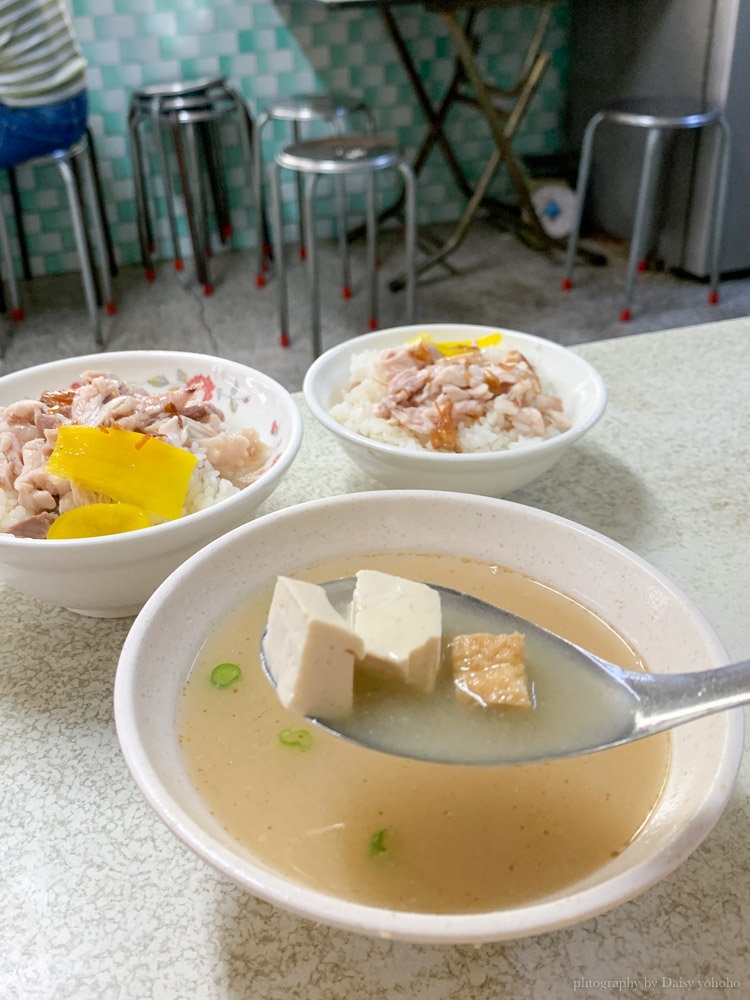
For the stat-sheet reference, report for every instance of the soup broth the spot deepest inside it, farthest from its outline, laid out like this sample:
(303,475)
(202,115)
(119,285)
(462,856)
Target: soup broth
(406,834)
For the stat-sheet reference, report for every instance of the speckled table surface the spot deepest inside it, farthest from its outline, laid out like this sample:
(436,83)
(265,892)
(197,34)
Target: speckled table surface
(99,900)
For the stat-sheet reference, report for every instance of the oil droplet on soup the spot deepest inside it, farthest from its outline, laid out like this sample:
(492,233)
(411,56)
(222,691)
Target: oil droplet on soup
(406,834)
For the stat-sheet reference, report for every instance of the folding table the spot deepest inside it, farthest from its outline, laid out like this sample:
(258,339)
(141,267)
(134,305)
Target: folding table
(503,109)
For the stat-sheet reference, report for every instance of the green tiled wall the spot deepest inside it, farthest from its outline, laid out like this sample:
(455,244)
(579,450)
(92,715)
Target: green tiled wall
(275,49)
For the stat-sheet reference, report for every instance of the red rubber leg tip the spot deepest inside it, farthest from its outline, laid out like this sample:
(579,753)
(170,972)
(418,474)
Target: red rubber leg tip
(373,324)
(713,298)
(208,289)
(150,274)
(17,314)
(302,253)
(178,265)
(209,252)
(378,264)
(284,340)
(228,230)
(625,316)
(266,249)
(346,292)
(151,247)
(566,284)
(260,281)
(642,265)
(111,308)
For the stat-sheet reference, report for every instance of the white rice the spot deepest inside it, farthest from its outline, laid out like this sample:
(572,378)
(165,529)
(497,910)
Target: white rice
(206,487)
(487,433)
(10,510)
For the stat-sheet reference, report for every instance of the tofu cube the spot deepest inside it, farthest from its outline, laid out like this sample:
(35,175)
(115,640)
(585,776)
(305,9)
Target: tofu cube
(490,670)
(310,650)
(401,624)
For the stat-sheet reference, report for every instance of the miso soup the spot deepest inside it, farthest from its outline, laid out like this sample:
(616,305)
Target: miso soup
(405,834)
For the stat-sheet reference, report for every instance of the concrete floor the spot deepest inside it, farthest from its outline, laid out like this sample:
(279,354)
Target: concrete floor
(497,282)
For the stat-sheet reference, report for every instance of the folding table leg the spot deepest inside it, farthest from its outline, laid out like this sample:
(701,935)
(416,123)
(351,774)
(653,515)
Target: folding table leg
(424,99)
(489,111)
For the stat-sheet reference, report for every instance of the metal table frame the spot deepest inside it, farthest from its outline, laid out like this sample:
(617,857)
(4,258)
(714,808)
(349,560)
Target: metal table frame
(503,109)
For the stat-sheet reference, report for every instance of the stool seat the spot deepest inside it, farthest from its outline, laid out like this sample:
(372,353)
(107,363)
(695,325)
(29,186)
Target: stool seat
(342,154)
(180,88)
(660,112)
(314,107)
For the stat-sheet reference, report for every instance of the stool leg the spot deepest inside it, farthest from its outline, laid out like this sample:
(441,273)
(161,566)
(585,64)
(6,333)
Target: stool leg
(20,229)
(342,226)
(642,215)
(300,198)
(97,225)
(248,134)
(369,121)
(278,237)
(143,216)
(161,155)
(7,267)
(410,237)
(211,145)
(372,249)
(261,242)
(720,198)
(584,169)
(97,179)
(202,173)
(192,192)
(79,230)
(312,182)
(81,206)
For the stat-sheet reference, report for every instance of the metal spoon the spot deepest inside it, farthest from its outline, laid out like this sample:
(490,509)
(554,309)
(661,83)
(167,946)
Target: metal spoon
(582,703)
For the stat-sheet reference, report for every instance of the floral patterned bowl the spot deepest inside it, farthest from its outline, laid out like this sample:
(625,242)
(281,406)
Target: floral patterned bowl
(113,575)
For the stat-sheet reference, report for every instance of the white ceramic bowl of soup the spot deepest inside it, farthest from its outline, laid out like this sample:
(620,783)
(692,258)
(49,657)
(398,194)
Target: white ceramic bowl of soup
(113,575)
(648,614)
(491,473)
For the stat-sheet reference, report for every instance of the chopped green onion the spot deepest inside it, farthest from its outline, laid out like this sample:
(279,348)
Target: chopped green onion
(301,738)
(377,842)
(225,674)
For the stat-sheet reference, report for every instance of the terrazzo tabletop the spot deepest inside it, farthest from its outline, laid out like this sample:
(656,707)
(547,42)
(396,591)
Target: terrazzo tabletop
(100,901)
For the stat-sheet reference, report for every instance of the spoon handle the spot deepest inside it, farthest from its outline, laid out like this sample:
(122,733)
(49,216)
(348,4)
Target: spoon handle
(669,700)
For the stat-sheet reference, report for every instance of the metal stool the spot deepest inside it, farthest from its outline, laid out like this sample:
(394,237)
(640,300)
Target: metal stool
(340,156)
(656,115)
(299,109)
(191,111)
(75,167)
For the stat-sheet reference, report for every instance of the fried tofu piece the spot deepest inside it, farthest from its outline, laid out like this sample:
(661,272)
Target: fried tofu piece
(490,670)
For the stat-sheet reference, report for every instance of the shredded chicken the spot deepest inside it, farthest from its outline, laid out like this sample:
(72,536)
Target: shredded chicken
(433,396)
(182,417)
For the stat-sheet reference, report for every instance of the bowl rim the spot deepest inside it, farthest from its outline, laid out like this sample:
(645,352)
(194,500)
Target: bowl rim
(510,924)
(311,383)
(197,519)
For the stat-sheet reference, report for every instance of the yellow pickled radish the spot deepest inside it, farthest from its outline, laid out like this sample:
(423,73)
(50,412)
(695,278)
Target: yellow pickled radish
(98,519)
(124,465)
(449,348)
